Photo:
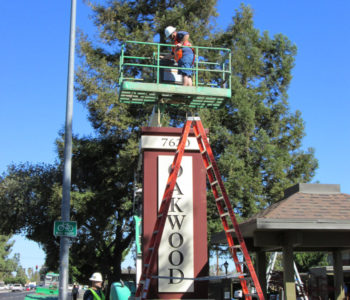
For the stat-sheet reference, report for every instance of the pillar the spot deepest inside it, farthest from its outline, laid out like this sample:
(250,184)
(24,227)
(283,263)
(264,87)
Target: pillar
(339,293)
(182,251)
(288,273)
(261,270)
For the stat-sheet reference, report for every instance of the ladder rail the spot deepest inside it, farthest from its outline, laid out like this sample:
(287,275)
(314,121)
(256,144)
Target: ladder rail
(299,283)
(270,267)
(216,178)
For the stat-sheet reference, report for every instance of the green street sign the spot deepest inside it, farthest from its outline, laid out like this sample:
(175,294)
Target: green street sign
(62,228)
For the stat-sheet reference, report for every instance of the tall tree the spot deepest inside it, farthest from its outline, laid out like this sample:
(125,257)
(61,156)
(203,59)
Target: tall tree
(256,136)
(101,203)
(6,264)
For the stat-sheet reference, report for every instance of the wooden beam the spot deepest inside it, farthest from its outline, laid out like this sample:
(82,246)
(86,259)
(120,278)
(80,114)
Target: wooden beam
(301,239)
(261,270)
(288,274)
(339,293)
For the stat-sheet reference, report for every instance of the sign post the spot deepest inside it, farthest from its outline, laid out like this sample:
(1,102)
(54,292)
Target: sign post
(67,169)
(183,247)
(65,228)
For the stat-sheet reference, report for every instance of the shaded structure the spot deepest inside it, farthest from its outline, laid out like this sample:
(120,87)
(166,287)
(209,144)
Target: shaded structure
(310,217)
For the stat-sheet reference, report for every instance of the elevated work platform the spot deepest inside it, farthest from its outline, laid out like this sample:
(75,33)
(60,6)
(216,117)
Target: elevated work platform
(193,96)
(157,80)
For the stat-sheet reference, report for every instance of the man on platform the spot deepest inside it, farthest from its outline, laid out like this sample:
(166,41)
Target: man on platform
(184,56)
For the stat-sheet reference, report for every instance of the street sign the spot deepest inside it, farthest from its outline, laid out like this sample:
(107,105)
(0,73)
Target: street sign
(62,228)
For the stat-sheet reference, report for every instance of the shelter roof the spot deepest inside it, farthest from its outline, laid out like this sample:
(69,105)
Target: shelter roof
(310,215)
(303,204)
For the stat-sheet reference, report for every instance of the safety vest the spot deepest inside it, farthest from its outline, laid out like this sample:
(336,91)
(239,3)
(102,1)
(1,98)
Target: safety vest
(178,51)
(96,296)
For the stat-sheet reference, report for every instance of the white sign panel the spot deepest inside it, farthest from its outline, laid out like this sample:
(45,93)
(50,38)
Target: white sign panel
(166,142)
(175,254)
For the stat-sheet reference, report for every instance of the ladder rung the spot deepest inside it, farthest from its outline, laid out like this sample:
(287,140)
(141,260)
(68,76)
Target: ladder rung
(160,215)
(231,230)
(151,249)
(209,167)
(155,232)
(204,151)
(225,214)
(219,199)
(236,246)
(198,136)
(214,183)
(146,265)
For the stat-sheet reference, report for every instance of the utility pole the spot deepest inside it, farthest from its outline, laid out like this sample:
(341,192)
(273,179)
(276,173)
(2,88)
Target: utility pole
(65,208)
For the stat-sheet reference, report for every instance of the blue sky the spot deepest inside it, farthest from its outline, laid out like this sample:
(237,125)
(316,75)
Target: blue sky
(33,81)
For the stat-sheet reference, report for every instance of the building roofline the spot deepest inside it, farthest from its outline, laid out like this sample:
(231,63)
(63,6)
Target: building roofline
(312,188)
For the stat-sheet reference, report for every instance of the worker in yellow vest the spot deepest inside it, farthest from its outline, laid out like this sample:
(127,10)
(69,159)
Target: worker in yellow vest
(95,292)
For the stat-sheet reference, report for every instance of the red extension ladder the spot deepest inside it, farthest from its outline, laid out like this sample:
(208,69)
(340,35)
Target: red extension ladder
(223,204)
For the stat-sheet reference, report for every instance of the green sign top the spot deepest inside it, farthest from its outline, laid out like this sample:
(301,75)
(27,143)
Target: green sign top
(63,228)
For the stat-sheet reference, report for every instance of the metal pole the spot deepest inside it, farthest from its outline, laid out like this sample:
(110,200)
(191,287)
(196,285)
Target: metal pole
(65,208)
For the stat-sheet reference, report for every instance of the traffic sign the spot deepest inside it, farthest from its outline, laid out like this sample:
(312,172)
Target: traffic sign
(65,228)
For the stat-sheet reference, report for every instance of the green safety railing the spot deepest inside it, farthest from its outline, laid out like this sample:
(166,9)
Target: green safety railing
(201,69)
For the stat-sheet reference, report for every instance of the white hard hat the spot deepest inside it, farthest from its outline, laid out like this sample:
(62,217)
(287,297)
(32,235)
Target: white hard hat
(96,277)
(169,30)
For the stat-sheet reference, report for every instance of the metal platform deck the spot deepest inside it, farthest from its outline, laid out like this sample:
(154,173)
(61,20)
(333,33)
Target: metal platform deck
(192,96)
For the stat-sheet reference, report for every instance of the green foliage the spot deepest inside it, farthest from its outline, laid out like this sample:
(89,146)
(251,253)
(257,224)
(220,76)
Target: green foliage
(303,260)
(33,275)
(255,136)
(9,266)
(101,203)
(307,260)
(21,276)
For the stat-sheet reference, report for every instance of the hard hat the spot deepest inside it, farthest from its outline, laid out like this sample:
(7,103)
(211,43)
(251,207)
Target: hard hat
(169,30)
(96,277)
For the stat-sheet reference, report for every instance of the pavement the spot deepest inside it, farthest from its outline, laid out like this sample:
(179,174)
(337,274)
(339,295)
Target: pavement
(80,296)
(9,295)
